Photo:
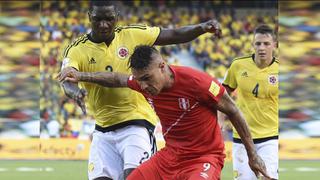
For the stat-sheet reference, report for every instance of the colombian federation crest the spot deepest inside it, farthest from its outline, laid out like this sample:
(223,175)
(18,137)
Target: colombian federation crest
(122,52)
(273,79)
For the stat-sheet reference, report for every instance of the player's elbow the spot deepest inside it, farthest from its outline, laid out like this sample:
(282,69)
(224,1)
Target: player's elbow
(232,111)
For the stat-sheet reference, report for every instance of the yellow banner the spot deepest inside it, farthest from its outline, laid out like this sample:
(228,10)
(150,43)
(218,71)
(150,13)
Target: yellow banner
(68,149)
(302,149)
(19,149)
(64,149)
(74,149)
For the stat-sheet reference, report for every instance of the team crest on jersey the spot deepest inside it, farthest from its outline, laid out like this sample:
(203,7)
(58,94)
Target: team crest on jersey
(273,79)
(123,52)
(184,103)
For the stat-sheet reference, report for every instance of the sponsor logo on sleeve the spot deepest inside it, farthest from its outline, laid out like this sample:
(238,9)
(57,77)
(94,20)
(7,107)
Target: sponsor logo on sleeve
(214,88)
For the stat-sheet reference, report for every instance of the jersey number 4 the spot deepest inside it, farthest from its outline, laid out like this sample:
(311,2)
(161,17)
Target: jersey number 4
(255,90)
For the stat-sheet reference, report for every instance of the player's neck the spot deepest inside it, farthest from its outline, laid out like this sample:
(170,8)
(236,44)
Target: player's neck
(169,78)
(96,39)
(263,63)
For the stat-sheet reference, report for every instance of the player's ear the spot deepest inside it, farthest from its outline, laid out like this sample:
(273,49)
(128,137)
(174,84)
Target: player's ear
(162,65)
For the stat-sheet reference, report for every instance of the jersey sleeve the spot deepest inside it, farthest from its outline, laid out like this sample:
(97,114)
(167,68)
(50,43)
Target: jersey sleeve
(72,58)
(230,77)
(210,90)
(145,35)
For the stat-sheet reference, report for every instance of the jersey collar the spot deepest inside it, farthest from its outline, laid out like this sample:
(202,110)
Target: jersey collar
(273,59)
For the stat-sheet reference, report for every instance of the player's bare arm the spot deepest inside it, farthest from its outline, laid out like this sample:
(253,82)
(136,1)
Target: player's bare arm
(188,33)
(72,90)
(107,79)
(227,106)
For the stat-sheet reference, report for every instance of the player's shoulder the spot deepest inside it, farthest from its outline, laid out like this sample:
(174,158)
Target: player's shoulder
(76,43)
(80,40)
(189,73)
(242,59)
(130,28)
(184,69)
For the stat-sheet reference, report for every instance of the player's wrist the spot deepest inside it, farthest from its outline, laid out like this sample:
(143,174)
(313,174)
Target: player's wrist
(252,155)
(202,27)
(83,76)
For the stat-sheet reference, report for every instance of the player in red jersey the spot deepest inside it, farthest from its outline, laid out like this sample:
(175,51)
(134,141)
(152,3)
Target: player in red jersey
(186,101)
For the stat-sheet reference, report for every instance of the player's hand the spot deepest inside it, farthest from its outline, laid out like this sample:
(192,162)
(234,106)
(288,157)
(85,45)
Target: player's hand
(78,97)
(212,26)
(71,75)
(68,74)
(257,166)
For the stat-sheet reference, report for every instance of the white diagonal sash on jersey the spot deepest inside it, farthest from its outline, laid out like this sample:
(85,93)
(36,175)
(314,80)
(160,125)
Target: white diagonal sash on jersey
(180,117)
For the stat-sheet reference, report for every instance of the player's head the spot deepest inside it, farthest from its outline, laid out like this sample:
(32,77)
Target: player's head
(149,69)
(103,17)
(264,42)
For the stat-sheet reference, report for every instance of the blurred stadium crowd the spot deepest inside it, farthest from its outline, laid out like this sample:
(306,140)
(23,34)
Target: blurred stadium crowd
(299,34)
(19,70)
(61,22)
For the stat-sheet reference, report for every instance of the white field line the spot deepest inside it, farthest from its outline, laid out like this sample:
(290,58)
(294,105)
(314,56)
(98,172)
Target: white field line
(3,169)
(283,169)
(307,169)
(28,169)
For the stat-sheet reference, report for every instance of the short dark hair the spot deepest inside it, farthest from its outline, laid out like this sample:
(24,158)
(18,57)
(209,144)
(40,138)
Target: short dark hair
(265,29)
(141,57)
(101,3)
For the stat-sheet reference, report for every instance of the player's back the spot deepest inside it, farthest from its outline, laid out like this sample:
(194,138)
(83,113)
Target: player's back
(111,106)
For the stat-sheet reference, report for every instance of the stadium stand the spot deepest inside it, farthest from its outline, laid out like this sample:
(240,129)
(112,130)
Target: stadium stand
(61,22)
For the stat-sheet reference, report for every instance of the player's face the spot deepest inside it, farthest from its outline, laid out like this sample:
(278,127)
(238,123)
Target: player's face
(103,21)
(151,79)
(263,45)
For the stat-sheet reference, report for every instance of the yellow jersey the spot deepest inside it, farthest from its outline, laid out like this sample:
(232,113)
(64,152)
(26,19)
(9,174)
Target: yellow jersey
(257,95)
(112,106)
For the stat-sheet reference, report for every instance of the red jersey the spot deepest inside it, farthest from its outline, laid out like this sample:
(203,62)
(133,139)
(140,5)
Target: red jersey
(187,115)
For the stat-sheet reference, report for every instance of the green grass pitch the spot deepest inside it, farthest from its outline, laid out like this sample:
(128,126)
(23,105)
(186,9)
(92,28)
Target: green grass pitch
(77,170)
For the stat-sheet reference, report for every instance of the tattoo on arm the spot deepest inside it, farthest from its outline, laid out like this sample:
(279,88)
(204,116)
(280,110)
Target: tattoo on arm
(107,79)
(179,35)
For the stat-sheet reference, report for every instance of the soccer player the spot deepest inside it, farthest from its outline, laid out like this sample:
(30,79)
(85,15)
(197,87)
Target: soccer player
(123,136)
(186,101)
(256,79)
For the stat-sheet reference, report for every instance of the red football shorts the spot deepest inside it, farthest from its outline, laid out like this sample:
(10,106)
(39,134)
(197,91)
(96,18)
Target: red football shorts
(165,166)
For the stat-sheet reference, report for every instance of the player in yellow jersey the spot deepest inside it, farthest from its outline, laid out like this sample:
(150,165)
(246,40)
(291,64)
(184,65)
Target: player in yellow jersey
(123,136)
(255,77)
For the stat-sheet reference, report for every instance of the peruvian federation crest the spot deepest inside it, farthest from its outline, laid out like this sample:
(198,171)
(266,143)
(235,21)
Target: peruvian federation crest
(122,52)
(184,103)
(272,79)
